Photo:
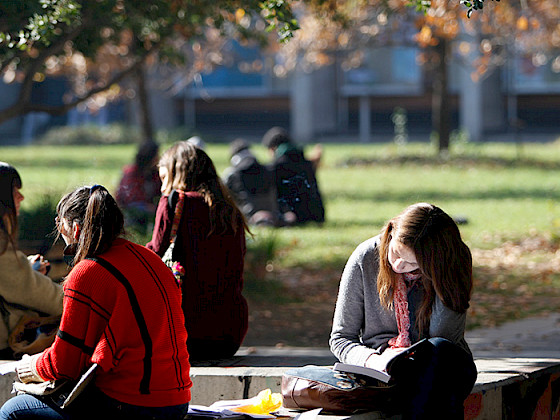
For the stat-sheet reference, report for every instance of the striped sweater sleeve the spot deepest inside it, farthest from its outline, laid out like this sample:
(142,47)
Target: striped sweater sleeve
(84,322)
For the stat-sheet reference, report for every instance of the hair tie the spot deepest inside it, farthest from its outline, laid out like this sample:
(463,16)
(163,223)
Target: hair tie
(435,212)
(96,187)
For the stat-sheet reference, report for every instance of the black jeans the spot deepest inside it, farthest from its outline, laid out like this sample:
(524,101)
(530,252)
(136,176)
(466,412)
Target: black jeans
(436,383)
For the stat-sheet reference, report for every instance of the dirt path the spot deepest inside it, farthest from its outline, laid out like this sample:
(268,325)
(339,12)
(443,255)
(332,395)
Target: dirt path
(514,281)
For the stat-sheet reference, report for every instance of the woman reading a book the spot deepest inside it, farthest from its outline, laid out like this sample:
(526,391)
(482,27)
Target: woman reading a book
(412,281)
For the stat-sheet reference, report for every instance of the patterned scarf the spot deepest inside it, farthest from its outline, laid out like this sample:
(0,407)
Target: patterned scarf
(404,283)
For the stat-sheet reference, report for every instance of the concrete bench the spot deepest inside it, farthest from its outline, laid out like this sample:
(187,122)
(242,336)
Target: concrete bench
(521,388)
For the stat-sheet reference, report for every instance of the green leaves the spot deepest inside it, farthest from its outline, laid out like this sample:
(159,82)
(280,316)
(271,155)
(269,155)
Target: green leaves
(473,5)
(420,5)
(42,24)
(279,16)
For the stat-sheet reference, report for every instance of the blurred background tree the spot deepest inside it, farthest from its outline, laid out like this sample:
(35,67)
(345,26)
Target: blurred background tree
(99,44)
(104,47)
(482,36)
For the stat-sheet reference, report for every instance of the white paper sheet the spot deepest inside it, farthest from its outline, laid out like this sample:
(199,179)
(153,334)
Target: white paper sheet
(309,415)
(217,411)
(8,367)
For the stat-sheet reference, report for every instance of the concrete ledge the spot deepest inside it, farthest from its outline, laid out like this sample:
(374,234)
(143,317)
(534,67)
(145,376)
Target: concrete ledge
(506,387)
(6,382)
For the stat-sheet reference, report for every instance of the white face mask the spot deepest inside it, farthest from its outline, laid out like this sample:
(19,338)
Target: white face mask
(69,234)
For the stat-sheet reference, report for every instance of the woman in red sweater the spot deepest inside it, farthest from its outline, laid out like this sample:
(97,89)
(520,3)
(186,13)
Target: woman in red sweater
(210,245)
(122,310)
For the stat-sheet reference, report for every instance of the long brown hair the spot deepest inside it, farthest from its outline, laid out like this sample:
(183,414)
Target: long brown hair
(444,260)
(9,179)
(98,216)
(189,168)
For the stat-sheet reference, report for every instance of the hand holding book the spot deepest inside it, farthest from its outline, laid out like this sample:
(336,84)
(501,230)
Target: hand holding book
(379,366)
(380,361)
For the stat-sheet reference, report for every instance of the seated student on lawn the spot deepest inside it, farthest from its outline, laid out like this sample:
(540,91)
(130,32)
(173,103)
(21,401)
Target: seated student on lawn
(252,186)
(411,282)
(139,187)
(122,310)
(299,199)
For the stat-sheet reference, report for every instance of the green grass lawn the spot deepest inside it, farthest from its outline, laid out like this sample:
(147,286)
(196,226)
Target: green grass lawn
(509,195)
(503,191)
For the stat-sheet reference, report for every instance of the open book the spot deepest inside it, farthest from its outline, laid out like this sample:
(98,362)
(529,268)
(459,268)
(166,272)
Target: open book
(383,362)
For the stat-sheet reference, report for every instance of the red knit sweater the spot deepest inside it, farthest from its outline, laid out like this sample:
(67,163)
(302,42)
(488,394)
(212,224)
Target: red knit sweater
(131,324)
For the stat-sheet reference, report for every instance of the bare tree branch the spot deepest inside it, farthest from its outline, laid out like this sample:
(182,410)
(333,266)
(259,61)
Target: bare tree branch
(23,108)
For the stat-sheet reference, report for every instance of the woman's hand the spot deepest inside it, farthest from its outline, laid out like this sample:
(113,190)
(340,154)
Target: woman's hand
(379,361)
(26,369)
(39,263)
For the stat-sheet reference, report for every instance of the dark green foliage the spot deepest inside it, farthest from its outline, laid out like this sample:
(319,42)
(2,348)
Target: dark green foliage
(36,225)
(91,135)
(473,5)
(32,32)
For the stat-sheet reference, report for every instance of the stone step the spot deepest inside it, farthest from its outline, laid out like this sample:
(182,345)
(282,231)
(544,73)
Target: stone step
(506,387)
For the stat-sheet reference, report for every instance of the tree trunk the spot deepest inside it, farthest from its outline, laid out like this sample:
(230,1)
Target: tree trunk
(441,120)
(144,103)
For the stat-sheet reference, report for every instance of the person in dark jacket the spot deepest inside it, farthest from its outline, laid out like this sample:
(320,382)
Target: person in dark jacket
(252,186)
(296,184)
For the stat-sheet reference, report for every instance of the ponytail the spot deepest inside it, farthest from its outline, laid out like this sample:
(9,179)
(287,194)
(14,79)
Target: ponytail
(98,216)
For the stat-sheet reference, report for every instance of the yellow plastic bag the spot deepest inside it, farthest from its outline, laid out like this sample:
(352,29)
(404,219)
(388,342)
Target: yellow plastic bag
(264,403)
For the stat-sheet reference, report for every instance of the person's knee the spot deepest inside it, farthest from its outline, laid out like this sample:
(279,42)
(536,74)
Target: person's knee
(441,343)
(453,362)
(11,408)
(447,350)
(26,406)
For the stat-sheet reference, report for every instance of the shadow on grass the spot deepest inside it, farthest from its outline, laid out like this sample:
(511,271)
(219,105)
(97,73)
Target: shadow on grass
(408,196)
(109,163)
(457,161)
(267,290)
(372,224)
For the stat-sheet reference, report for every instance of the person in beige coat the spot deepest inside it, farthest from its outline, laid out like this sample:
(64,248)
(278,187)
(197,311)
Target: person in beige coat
(23,289)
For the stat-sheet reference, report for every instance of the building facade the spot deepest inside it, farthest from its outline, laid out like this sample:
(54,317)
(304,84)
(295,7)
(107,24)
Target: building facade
(245,98)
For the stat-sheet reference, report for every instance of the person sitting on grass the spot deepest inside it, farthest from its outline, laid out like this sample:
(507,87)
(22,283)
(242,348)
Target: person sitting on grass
(252,186)
(139,188)
(299,199)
